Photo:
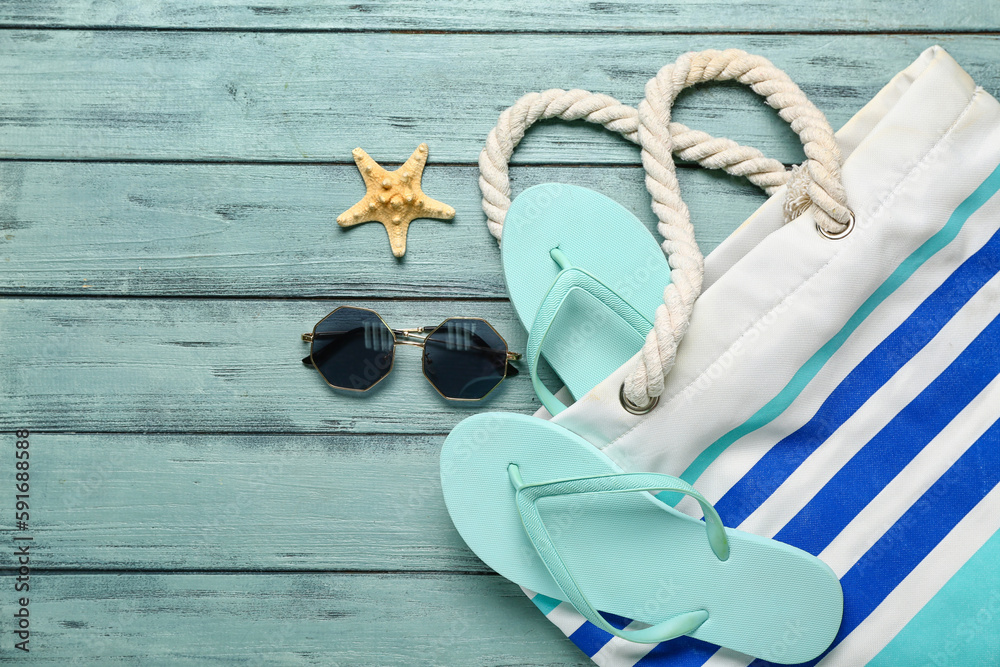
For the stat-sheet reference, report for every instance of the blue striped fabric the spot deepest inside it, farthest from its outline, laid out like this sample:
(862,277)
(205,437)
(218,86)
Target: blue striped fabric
(920,640)
(922,527)
(544,603)
(854,486)
(591,639)
(681,652)
(885,455)
(873,372)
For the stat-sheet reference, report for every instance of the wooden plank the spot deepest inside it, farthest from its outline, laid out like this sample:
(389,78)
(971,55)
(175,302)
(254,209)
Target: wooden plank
(220,502)
(69,228)
(266,96)
(516,15)
(305,619)
(207,365)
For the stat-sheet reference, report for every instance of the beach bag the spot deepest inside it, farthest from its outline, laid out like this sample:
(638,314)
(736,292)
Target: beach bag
(838,388)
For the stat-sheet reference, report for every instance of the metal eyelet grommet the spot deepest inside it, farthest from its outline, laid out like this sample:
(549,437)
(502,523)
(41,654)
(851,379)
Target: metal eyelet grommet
(839,235)
(632,407)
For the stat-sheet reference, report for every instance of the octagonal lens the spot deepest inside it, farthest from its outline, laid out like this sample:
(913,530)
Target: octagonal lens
(465,358)
(352,348)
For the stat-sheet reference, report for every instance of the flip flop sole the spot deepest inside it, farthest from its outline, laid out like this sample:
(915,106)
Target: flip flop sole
(586,342)
(631,554)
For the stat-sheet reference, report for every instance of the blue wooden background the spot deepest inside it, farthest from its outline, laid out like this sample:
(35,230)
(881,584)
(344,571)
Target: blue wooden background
(170,173)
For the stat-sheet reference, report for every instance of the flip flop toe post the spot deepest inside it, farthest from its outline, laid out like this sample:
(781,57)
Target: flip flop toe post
(585,277)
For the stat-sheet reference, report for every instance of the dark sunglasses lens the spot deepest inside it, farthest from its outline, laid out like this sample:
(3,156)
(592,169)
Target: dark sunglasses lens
(352,348)
(465,358)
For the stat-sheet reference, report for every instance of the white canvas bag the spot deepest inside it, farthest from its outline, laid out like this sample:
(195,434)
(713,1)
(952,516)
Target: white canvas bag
(843,395)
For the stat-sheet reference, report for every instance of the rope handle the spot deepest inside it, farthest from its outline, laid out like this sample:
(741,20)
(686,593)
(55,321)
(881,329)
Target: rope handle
(814,184)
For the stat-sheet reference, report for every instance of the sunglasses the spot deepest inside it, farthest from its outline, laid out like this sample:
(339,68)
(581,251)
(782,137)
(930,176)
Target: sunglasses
(464,358)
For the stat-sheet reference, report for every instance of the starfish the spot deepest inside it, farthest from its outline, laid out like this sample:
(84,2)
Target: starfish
(394,198)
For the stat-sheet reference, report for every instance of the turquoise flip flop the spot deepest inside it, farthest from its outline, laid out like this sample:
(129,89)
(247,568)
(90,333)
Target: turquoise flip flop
(549,511)
(585,277)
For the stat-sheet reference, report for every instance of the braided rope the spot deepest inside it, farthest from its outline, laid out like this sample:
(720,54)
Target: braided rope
(816,183)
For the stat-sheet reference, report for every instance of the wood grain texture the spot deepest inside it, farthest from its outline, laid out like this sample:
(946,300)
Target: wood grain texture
(516,15)
(332,620)
(218,502)
(169,183)
(315,97)
(207,365)
(270,230)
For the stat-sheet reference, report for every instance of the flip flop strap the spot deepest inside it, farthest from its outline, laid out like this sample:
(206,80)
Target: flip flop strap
(526,497)
(566,281)
(815,184)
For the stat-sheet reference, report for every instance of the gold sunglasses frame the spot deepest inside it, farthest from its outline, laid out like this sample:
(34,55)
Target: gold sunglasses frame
(399,337)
